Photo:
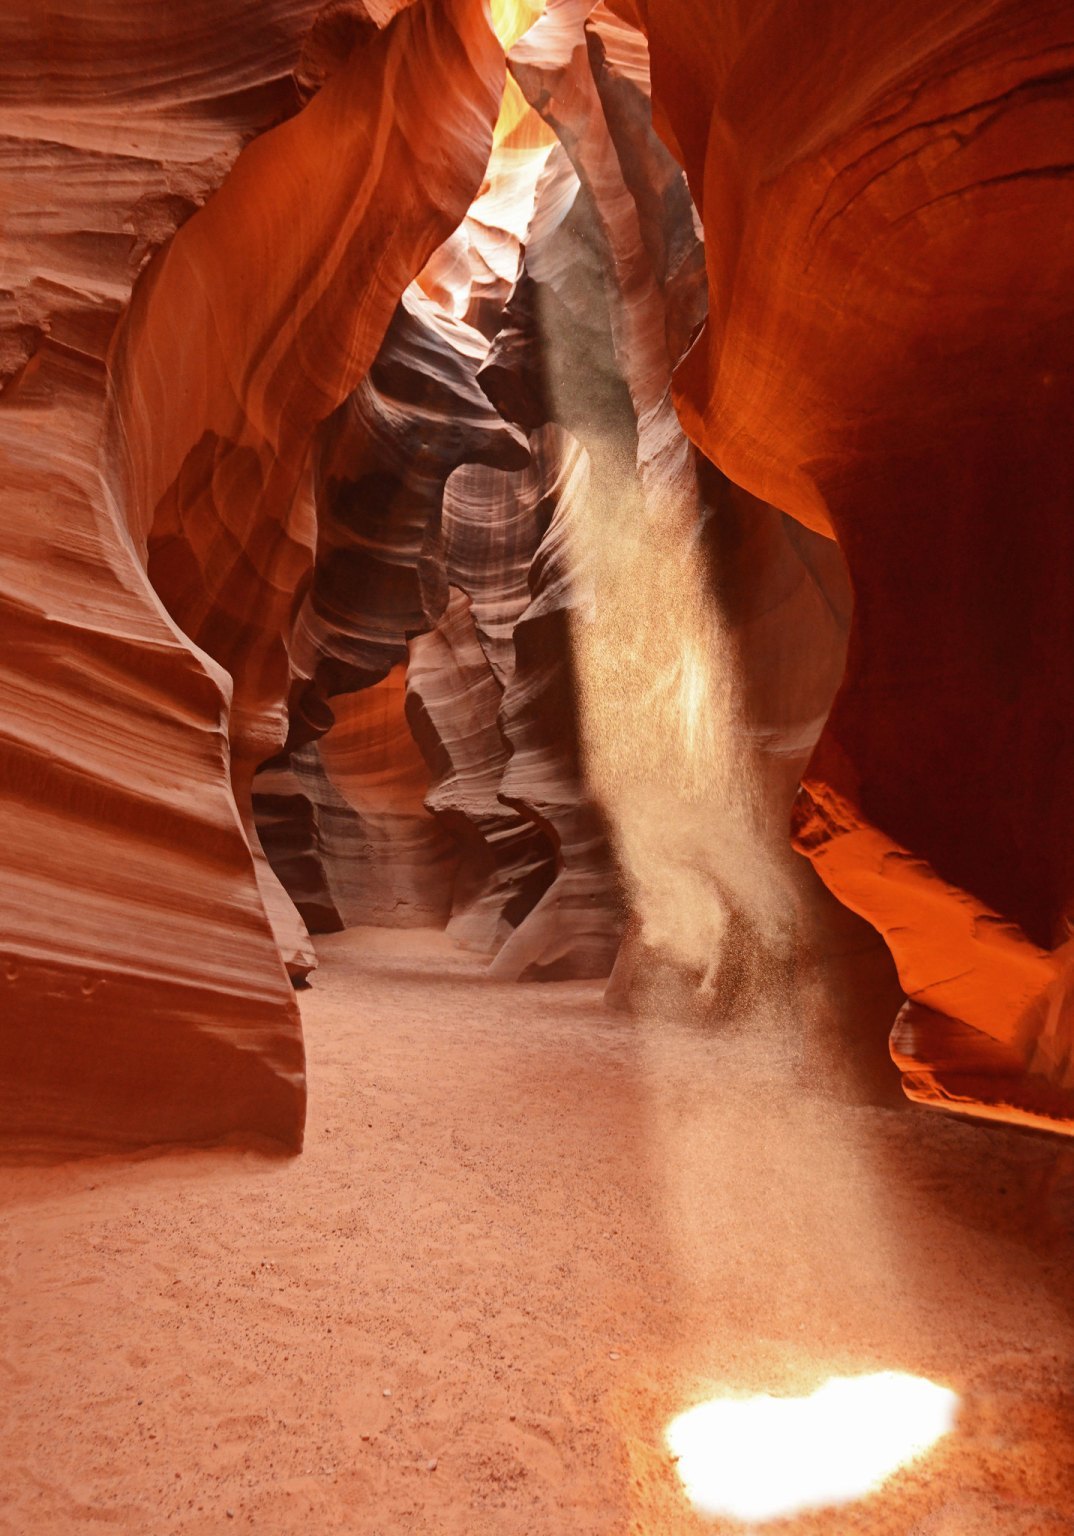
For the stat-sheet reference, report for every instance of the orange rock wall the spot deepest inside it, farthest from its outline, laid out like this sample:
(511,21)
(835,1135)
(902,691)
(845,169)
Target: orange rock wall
(142,930)
(313,324)
(890,359)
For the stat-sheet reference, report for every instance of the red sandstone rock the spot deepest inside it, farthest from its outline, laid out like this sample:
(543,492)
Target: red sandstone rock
(313,471)
(382,463)
(145,998)
(393,541)
(506,862)
(379,577)
(574,929)
(667,222)
(394,866)
(295,806)
(888,359)
(216,491)
(553,67)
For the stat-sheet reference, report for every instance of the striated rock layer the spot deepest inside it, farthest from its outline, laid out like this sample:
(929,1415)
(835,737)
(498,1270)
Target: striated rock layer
(145,997)
(352,546)
(433,503)
(506,862)
(888,359)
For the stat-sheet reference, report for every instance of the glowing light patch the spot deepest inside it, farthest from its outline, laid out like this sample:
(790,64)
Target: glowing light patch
(512,18)
(763,1458)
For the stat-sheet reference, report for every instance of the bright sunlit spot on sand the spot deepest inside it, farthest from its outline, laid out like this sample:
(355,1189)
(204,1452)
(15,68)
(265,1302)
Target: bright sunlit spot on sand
(764,1458)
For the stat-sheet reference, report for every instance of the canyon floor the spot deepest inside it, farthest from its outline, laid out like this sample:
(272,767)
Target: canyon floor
(524,1234)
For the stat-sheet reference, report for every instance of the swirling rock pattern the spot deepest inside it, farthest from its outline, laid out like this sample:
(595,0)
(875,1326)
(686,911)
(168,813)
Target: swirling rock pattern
(124,862)
(453,701)
(888,359)
(388,861)
(337,366)
(382,464)
(121,127)
(216,495)
(667,221)
(574,930)
(493,706)
(431,509)
(295,806)
(382,461)
(158,1009)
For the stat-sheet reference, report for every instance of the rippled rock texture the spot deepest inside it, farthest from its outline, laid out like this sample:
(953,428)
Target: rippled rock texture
(888,359)
(389,537)
(158,520)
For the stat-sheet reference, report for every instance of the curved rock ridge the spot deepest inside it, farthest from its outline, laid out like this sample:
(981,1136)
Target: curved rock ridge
(392,542)
(491,702)
(125,865)
(471,275)
(506,862)
(552,66)
(493,526)
(667,221)
(382,463)
(317,203)
(575,928)
(112,133)
(124,861)
(388,861)
(888,359)
(158,1008)
(297,813)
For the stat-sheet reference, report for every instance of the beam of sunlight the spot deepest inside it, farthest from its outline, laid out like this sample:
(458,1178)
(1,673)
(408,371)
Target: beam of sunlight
(511,19)
(764,1458)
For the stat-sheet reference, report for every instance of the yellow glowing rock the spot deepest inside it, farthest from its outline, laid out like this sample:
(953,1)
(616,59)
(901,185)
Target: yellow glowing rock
(763,1458)
(511,18)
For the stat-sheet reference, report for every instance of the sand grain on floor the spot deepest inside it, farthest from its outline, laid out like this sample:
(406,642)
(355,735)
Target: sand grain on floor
(524,1233)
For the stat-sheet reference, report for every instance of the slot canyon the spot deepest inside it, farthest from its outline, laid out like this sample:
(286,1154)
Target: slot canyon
(536,697)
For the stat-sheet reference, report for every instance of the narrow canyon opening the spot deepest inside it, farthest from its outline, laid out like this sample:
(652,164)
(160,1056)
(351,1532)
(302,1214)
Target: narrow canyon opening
(538,645)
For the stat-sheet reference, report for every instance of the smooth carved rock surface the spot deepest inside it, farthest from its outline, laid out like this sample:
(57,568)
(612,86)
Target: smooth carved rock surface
(553,67)
(336,422)
(396,867)
(295,807)
(124,865)
(382,462)
(157,1007)
(432,506)
(217,493)
(493,706)
(667,221)
(379,577)
(506,861)
(574,930)
(112,133)
(493,525)
(888,359)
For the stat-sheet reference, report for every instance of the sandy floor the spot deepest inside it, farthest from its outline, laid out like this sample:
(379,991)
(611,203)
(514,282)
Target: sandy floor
(523,1235)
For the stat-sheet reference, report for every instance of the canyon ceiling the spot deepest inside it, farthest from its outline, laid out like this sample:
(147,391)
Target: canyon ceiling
(400,405)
